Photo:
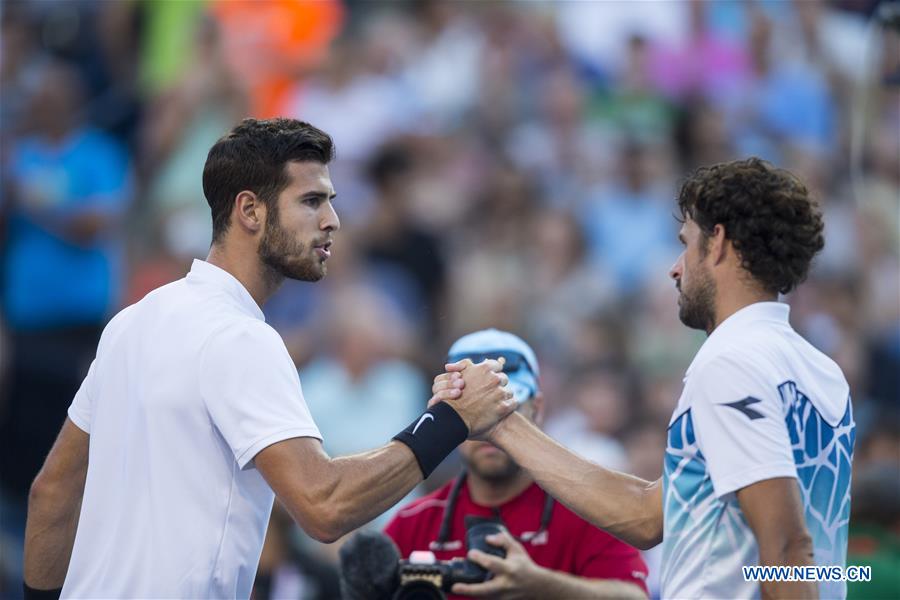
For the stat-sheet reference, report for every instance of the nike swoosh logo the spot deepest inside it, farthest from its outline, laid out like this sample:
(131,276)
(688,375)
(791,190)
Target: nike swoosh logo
(422,419)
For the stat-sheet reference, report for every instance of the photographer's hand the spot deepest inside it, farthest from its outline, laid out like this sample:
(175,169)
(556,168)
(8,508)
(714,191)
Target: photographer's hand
(518,577)
(514,575)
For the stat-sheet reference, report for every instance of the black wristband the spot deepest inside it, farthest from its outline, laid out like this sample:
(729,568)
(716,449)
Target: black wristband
(33,594)
(434,435)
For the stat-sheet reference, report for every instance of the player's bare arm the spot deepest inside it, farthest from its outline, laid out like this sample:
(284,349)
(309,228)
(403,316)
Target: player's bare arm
(774,510)
(336,495)
(54,505)
(626,506)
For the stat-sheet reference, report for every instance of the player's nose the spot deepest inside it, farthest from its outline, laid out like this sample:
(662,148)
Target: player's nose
(675,269)
(330,220)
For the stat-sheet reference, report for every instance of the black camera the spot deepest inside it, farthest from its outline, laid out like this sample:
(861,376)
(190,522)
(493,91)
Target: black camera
(371,568)
(422,577)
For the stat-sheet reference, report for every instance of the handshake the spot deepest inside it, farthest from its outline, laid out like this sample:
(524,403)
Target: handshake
(489,374)
(479,393)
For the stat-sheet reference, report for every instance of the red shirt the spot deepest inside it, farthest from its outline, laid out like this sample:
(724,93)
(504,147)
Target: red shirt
(570,544)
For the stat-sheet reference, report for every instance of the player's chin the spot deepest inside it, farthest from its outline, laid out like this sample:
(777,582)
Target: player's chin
(307,271)
(317,274)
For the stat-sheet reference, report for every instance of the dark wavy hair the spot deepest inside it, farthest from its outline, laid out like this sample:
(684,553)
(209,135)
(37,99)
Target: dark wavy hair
(252,156)
(767,213)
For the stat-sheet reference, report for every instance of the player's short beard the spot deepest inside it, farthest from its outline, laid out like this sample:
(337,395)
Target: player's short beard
(285,256)
(697,306)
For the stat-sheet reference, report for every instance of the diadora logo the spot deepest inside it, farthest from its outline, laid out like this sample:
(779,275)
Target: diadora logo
(744,407)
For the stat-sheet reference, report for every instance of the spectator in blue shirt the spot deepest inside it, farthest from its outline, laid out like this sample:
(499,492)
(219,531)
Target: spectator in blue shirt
(68,187)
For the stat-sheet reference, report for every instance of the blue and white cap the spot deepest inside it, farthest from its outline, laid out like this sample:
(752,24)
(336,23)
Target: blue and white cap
(521,364)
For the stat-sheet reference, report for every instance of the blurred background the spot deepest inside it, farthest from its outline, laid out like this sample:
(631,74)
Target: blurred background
(499,164)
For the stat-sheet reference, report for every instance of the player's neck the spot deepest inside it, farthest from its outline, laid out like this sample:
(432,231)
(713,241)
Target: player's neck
(244,266)
(732,298)
(496,493)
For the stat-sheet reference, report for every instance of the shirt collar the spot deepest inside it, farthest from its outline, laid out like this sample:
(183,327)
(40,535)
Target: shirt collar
(209,274)
(758,312)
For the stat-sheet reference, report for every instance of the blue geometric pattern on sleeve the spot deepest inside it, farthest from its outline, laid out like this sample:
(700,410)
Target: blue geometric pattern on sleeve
(687,488)
(823,455)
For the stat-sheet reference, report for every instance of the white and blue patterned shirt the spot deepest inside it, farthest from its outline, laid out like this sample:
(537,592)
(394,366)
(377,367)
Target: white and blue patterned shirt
(759,402)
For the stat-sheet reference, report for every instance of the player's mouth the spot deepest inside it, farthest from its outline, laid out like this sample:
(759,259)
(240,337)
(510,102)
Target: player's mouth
(323,250)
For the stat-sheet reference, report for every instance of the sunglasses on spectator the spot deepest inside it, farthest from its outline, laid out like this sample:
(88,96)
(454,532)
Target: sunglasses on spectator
(514,361)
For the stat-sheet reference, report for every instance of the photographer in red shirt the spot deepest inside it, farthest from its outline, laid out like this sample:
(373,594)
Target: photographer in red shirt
(550,551)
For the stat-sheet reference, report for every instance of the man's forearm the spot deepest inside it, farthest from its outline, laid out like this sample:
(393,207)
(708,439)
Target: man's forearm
(774,509)
(49,538)
(799,553)
(368,484)
(556,584)
(329,497)
(626,506)
(796,590)
(54,505)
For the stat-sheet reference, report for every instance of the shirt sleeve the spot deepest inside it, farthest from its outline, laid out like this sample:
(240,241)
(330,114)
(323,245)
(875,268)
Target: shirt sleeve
(252,391)
(606,557)
(738,418)
(82,405)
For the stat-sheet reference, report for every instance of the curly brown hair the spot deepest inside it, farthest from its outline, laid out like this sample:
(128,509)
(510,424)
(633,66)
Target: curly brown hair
(767,213)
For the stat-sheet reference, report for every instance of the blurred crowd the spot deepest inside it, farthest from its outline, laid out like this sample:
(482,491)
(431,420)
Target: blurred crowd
(499,164)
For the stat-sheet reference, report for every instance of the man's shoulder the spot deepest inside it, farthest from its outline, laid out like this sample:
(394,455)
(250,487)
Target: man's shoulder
(176,308)
(246,334)
(753,356)
(767,359)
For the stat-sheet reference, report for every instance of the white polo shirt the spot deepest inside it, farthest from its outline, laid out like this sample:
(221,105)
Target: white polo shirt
(188,385)
(759,402)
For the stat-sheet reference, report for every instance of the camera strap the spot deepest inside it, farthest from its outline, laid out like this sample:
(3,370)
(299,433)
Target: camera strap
(442,543)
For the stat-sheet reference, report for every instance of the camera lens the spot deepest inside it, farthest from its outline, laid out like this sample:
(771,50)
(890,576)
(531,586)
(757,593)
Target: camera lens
(419,590)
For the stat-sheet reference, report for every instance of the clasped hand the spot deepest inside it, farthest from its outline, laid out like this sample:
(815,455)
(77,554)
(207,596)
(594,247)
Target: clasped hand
(479,393)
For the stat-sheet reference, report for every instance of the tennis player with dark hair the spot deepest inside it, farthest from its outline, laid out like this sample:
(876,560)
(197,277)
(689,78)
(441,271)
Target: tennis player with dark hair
(161,482)
(758,460)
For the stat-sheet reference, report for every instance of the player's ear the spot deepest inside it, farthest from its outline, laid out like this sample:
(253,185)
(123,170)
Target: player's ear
(249,212)
(718,244)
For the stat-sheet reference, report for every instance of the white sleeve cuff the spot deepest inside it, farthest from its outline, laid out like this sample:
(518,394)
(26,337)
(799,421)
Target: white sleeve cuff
(737,481)
(79,421)
(279,436)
